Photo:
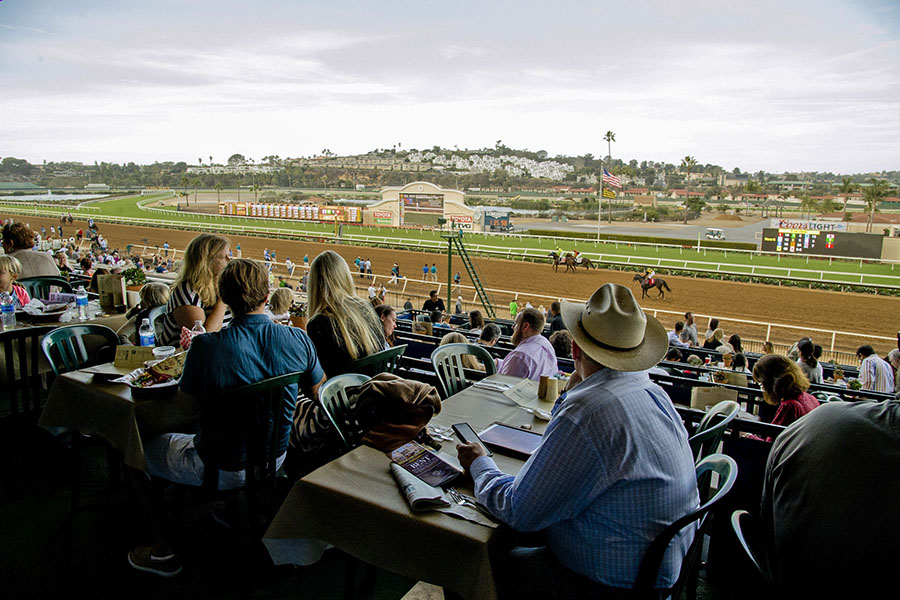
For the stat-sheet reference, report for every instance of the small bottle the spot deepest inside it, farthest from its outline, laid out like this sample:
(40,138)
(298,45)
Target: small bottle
(197,329)
(146,336)
(8,311)
(81,301)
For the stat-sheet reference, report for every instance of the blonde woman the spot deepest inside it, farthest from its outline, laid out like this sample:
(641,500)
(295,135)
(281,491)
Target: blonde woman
(343,326)
(280,304)
(468,360)
(194,294)
(715,340)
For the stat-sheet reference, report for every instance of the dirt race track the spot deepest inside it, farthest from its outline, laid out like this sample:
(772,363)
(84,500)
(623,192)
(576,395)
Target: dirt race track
(858,313)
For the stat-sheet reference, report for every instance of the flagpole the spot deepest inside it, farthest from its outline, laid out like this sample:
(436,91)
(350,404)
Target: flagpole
(600,205)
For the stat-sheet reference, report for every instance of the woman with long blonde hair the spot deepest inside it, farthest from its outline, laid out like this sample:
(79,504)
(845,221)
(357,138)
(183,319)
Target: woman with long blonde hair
(468,360)
(343,326)
(194,294)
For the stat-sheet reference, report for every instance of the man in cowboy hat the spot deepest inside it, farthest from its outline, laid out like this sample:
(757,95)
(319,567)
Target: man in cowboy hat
(613,469)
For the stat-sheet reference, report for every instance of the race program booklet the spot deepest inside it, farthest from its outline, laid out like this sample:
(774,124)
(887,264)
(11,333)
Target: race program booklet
(419,494)
(424,464)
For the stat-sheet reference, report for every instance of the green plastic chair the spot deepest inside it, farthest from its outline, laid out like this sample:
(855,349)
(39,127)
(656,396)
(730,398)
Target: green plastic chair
(709,433)
(153,315)
(65,349)
(385,361)
(39,287)
(21,393)
(335,403)
(648,571)
(747,529)
(447,363)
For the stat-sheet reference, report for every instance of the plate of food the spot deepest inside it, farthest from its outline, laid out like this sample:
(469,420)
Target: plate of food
(162,376)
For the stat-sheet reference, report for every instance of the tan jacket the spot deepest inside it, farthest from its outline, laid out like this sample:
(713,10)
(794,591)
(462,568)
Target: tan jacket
(35,264)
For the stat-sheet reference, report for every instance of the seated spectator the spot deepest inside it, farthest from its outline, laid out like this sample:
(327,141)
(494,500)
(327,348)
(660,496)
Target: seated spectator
(715,339)
(439,320)
(713,325)
(87,266)
(62,263)
(807,361)
(768,347)
(735,342)
(874,373)
(94,285)
(533,355)
(894,360)
(468,360)
(18,241)
(489,335)
(10,268)
(433,303)
(556,322)
(562,343)
(784,385)
(408,305)
(476,321)
(280,305)
(194,295)
(216,362)
(739,363)
(675,336)
(343,326)
(825,503)
(628,472)
(388,317)
(153,294)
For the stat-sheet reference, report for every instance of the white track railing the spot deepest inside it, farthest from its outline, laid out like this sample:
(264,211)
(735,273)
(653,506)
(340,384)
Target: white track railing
(807,276)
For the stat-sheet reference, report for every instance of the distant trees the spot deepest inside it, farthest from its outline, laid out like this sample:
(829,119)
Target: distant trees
(873,195)
(236,160)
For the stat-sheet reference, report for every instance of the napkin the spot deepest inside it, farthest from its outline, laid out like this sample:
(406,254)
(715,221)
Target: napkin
(422,497)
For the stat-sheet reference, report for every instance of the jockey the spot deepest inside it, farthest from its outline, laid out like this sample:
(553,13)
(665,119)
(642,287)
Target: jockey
(577,256)
(649,275)
(559,252)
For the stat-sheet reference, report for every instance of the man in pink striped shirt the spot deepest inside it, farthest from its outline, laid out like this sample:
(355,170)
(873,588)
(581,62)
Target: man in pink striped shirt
(533,355)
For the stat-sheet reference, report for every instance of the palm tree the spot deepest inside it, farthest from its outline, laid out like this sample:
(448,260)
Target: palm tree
(847,187)
(196,183)
(255,189)
(688,162)
(218,192)
(872,195)
(808,204)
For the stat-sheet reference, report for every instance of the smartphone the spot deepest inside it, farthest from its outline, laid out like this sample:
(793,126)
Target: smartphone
(467,435)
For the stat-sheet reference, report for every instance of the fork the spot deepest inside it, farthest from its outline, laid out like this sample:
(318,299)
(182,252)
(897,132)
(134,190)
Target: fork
(464,500)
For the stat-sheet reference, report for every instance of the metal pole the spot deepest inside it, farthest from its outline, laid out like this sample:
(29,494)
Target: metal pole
(449,269)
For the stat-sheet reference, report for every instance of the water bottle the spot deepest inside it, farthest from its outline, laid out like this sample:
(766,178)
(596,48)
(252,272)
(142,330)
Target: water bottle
(81,301)
(197,329)
(8,311)
(145,334)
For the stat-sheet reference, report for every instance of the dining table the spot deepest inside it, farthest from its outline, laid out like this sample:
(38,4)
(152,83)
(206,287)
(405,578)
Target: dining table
(94,405)
(354,504)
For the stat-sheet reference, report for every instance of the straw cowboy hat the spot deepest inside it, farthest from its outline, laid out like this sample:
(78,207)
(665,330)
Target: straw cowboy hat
(613,330)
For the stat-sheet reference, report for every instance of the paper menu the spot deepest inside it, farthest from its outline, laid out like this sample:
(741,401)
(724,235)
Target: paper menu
(523,393)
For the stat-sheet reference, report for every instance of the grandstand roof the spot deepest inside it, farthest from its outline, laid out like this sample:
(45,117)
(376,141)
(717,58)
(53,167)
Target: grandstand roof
(18,185)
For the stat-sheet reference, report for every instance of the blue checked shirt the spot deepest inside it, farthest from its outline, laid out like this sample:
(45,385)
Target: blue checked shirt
(613,470)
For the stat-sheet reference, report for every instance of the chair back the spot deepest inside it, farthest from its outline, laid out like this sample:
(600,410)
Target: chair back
(746,528)
(333,400)
(65,349)
(21,391)
(253,416)
(39,287)
(385,361)
(155,313)
(648,572)
(711,428)
(447,363)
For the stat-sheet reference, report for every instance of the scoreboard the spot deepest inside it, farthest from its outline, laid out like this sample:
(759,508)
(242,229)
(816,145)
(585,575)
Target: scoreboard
(821,243)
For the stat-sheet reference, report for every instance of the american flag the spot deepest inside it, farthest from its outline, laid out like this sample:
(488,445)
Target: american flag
(611,179)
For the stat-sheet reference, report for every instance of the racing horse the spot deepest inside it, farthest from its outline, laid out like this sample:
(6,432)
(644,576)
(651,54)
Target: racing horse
(571,262)
(658,282)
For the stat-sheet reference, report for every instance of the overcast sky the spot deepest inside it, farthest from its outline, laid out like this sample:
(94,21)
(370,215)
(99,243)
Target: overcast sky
(780,85)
